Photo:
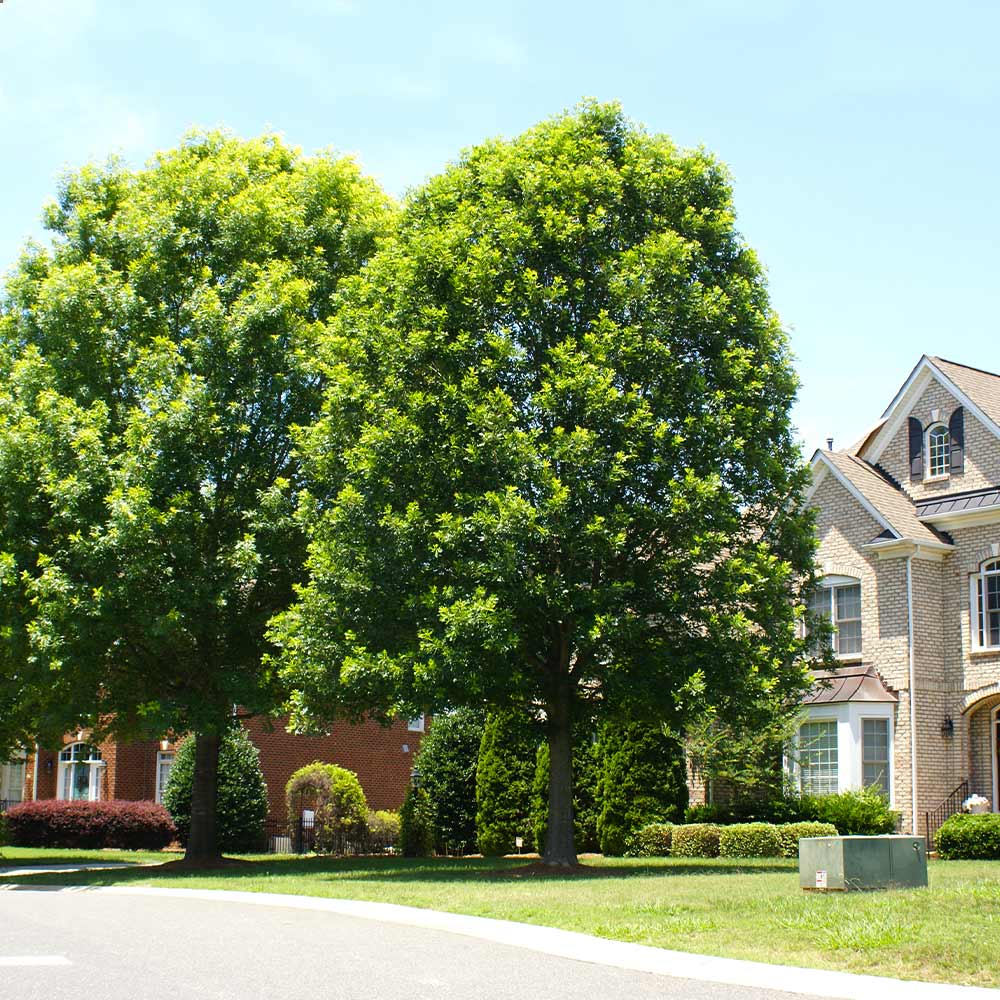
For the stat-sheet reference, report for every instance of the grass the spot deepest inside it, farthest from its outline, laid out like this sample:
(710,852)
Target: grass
(750,909)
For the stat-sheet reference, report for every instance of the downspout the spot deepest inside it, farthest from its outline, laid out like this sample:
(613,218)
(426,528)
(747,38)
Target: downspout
(913,709)
(34,777)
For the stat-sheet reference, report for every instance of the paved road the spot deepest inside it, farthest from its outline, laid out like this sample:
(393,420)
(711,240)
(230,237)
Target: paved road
(145,948)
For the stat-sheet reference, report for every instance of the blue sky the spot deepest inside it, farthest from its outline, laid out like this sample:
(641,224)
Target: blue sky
(863,137)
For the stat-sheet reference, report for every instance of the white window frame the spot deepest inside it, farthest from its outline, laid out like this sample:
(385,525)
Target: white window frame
(829,587)
(10,789)
(161,756)
(995,755)
(944,473)
(849,716)
(814,720)
(861,752)
(416,724)
(978,615)
(95,764)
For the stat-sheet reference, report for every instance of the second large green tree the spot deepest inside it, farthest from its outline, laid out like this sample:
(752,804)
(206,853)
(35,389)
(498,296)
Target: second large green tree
(555,463)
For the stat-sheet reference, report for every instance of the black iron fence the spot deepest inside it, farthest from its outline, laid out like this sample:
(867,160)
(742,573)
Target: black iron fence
(305,836)
(934,819)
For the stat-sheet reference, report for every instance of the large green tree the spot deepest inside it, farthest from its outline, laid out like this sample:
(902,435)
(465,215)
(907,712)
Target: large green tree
(555,467)
(153,361)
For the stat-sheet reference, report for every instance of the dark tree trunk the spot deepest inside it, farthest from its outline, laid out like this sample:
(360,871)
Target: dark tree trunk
(559,845)
(203,841)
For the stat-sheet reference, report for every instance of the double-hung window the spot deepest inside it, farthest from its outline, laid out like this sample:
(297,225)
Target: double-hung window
(875,754)
(817,752)
(839,604)
(986,605)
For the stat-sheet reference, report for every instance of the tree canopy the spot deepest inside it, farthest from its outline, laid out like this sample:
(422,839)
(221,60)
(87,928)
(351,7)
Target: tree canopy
(153,362)
(554,465)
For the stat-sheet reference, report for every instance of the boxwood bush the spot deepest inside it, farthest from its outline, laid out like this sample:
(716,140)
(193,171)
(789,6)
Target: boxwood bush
(975,838)
(651,841)
(695,840)
(131,826)
(749,840)
(789,835)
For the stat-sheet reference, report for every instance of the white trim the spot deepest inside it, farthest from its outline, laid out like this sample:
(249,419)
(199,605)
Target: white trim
(937,477)
(963,518)
(416,724)
(925,370)
(978,611)
(160,756)
(34,777)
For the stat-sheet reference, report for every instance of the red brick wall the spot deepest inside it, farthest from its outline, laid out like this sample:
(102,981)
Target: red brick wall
(375,753)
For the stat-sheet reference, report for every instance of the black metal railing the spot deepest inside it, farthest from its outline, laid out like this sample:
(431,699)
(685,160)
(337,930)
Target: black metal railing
(951,805)
(305,836)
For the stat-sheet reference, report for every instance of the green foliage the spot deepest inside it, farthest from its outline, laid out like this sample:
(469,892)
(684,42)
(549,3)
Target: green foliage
(416,824)
(241,804)
(153,361)
(864,812)
(448,757)
(335,796)
(555,460)
(651,841)
(750,840)
(695,840)
(384,827)
(789,835)
(504,777)
(971,837)
(4,832)
(643,781)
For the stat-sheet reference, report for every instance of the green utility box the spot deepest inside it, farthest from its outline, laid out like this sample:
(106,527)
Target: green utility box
(843,863)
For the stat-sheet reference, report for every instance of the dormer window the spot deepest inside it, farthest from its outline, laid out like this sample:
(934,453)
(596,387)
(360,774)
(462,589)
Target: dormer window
(938,451)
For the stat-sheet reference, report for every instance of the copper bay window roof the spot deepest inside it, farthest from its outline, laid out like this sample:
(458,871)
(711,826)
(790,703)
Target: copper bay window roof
(850,683)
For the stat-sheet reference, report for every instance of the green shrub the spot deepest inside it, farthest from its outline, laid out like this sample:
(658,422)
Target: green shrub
(416,824)
(336,798)
(974,838)
(4,835)
(864,812)
(447,763)
(775,809)
(695,840)
(505,774)
(241,801)
(643,781)
(789,835)
(383,828)
(749,840)
(651,841)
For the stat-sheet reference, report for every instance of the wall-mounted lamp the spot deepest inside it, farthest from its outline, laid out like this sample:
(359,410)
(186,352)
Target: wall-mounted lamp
(164,745)
(948,727)
(415,777)
(48,765)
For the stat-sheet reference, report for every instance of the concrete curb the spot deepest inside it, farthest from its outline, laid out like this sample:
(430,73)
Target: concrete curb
(584,948)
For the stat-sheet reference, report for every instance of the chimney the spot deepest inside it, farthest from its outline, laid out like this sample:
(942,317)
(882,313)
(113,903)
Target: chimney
(829,444)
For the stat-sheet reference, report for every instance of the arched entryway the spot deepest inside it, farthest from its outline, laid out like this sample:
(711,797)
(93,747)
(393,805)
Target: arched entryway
(984,749)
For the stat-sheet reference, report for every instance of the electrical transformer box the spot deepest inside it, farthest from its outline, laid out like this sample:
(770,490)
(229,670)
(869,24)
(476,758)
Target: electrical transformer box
(844,863)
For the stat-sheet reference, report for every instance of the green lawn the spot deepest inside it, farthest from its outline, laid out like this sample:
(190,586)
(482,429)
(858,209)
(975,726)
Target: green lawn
(740,909)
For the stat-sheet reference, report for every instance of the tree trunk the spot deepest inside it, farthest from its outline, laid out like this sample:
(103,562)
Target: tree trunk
(560,849)
(203,840)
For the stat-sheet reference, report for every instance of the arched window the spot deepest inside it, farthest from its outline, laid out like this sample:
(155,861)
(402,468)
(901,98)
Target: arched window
(938,451)
(986,604)
(80,772)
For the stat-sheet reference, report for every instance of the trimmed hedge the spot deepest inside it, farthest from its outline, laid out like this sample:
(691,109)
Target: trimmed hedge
(695,840)
(131,826)
(651,841)
(750,840)
(789,835)
(972,838)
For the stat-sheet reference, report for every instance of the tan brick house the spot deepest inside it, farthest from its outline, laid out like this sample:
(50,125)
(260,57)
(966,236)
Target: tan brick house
(909,553)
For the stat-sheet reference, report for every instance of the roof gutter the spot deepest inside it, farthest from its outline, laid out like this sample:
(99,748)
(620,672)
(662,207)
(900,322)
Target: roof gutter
(912,695)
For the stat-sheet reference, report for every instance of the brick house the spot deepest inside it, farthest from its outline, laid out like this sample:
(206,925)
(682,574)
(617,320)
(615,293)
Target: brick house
(381,756)
(909,553)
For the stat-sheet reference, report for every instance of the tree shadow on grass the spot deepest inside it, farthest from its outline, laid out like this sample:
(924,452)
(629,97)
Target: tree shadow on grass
(388,869)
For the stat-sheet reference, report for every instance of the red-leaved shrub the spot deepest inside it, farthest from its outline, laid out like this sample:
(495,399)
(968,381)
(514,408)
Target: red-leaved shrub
(55,823)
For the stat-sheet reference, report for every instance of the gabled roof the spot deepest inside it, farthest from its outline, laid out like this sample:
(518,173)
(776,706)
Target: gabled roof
(883,499)
(977,390)
(982,387)
(854,683)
